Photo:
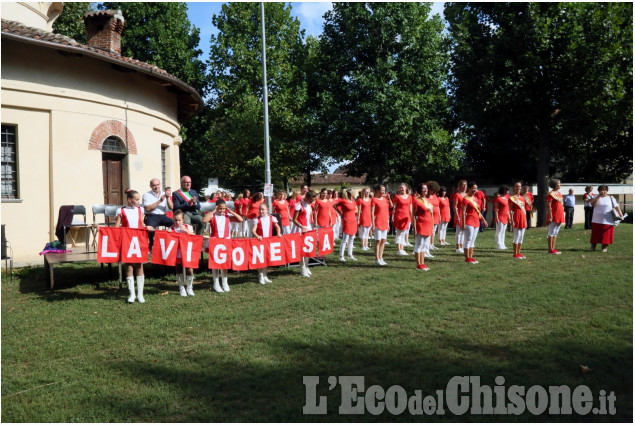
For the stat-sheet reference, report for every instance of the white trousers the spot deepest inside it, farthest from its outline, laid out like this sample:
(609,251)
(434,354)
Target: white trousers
(554,228)
(519,234)
(499,237)
(458,236)
(422,243)
(347,240)
(443,228)
(469,236)
(364,232)
(400,236)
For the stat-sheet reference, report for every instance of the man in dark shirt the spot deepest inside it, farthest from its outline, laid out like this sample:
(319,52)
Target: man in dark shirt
(186,200)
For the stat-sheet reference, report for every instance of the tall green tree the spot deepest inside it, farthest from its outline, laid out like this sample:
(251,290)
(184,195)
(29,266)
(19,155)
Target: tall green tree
(236,124)
(71,22)
(161,34)
(543,89)
(384,104)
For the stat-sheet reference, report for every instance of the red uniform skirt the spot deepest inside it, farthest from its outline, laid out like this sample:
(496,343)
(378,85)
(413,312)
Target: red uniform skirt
(602,233)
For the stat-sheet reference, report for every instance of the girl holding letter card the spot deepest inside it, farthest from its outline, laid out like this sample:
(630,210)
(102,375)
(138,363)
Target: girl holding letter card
(180,227)
(263,228)
(219,228)
(131,216)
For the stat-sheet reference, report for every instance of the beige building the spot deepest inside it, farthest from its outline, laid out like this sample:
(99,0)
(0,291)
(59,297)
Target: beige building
(80,123)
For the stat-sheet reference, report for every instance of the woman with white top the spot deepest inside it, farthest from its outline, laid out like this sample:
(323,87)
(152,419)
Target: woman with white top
(603,221)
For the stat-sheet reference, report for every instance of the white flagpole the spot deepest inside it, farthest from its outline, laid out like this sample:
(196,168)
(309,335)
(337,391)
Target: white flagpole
(266,104)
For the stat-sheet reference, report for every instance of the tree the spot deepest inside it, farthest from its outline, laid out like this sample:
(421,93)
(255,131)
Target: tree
(236,122)
(383,98)
(71,22)
(543,89)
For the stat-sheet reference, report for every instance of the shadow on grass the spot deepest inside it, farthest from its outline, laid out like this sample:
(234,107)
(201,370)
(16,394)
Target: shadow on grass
(105,281)
(212,389)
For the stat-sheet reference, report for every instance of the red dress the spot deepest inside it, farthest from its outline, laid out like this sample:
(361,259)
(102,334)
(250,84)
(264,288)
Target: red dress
(471,215)
(324,211)
(252,209)
(349,221)
(364,216)
(444,209)
(518,210)
(333,202)
(557,208)
(402,212)
(282,208)
(381,212)
(458,198)
(503,209)
(425,220)
(434,200)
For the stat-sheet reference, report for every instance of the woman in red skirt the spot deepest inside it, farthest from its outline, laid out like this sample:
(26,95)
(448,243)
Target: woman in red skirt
(603,222)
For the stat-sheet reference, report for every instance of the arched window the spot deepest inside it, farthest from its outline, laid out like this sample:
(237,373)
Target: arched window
(114,144)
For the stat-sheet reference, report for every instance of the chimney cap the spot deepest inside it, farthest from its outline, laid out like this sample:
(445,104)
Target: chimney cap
(116,13)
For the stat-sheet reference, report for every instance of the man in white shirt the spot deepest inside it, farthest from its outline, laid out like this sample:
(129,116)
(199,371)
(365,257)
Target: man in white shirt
(155,205)
(569,205)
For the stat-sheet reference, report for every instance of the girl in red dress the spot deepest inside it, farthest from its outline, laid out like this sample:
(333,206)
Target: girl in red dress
(501,215)
(337,220)
(281,206)
(347,212)
(243,211)
(380,207)
(470,219)
(253,206)
(402,218)
(517,211)
(433,189)
(292,201)
(555,208)
(444,211)
(423,210)
(363,217)
(323,210)
(457,202)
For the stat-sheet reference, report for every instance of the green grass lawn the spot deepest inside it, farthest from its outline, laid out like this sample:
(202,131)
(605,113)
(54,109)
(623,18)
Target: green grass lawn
(81,354)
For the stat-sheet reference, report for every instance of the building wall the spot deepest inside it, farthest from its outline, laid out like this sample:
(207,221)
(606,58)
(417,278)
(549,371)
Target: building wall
(34,14)
(57,102)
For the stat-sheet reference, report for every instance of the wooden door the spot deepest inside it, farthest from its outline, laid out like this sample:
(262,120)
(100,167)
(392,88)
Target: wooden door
(112,172)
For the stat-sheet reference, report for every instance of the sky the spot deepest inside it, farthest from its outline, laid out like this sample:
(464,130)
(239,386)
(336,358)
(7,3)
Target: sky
(308,13)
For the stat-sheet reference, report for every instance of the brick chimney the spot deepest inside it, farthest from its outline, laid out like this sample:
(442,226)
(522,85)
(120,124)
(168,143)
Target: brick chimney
(104,29)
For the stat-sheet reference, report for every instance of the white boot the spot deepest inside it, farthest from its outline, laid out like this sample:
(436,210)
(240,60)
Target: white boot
(217,287)
(190,282)
(264,272)
(181,287)
(224,277)
(261,278)
(130,281)
(140,282)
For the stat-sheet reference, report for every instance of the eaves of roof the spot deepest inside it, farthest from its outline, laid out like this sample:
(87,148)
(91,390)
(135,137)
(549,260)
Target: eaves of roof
(189,100)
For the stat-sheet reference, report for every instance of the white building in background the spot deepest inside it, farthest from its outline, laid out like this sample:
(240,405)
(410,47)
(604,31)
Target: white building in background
(80,123)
